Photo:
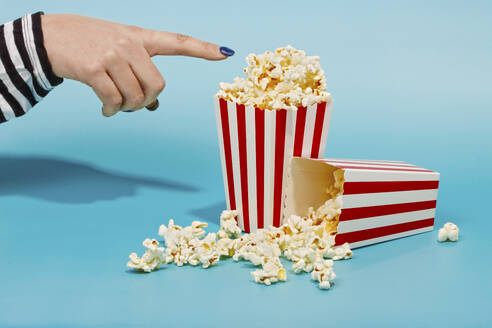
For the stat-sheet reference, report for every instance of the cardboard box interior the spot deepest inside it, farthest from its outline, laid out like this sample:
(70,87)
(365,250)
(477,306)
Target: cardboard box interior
(307,182)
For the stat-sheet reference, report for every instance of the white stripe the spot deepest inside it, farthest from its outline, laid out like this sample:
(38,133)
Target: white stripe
(387,198)
(12,89)
(366,161)
(288,151)
(251,162)
(389,237)
(384,220)
(294,122)
(368,175)
(6,110)
(231,109)
(373,166)
(269,165)
(33,55)
(326,125)
(17,59)
(307,143)
(222,151)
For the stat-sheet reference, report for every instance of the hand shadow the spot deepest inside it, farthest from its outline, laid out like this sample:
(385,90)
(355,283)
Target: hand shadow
(210,213)
(66,181)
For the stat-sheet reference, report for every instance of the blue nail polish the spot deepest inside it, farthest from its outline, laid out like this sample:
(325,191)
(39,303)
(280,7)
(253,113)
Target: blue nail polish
(128,111)
(226,51)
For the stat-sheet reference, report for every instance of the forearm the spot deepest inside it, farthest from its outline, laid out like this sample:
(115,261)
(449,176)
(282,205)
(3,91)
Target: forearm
(26,76)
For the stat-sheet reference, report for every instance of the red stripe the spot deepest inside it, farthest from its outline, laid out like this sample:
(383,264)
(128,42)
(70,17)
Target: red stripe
(318,129)
(281,116)
(370,211)
(299,135)
(243,164)
(402,165)
(378,168)
(260,164)
(355,236)
(226,137)
(351,188)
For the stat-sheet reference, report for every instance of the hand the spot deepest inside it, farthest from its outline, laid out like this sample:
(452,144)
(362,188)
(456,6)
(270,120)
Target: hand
(114,59)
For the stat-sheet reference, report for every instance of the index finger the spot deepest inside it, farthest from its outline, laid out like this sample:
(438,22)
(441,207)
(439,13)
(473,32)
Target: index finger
(173,44)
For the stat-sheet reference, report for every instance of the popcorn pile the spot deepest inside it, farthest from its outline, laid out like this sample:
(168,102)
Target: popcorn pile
(308,242)
(448,232)
(284,79)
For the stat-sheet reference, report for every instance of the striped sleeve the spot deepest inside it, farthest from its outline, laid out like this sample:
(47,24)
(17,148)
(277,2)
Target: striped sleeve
(26,76)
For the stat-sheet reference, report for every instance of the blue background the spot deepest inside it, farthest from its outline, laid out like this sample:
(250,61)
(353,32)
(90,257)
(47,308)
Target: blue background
(78,192)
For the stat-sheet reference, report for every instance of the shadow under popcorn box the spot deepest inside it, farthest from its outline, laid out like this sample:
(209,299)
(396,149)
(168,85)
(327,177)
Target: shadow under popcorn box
(381,200)
(256,146)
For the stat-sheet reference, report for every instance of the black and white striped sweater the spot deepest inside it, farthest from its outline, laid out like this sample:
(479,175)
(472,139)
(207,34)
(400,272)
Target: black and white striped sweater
(26,76)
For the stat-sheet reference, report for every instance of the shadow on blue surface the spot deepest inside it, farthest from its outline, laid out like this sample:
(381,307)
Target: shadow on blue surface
(210,213)
(137,272)
(67,181)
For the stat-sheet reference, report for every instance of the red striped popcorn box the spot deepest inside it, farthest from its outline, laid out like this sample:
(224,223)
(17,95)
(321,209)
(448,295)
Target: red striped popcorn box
(382,200)
(255,148)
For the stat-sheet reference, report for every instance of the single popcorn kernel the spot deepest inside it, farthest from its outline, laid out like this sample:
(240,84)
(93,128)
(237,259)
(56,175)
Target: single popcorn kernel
(151,260)
(228,225)
(284,79)
(449,232)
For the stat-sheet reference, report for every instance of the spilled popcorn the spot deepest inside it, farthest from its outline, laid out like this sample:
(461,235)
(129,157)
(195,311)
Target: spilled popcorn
(283,79)
(448,232)
(323,273)
(151,260)
(187,245)
(228,225)
(272,271)
(308,242)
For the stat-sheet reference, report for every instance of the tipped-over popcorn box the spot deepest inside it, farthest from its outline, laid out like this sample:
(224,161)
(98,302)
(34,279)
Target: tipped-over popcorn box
(381,200)
(256,146)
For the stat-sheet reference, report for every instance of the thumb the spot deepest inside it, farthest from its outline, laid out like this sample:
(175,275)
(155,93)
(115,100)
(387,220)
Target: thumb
(176,44)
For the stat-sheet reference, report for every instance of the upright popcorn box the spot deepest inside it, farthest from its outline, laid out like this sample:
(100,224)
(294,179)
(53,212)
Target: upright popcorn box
(381,200)
(256,146)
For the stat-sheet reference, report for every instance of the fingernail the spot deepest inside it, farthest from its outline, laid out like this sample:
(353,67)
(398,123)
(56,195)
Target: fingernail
(128,111)
(152,107)
(105,113)
(226,51)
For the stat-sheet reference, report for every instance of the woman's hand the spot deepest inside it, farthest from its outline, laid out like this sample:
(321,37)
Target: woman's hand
(114,59)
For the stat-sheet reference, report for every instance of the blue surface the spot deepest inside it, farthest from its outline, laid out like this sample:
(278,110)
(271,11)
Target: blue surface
(79,192)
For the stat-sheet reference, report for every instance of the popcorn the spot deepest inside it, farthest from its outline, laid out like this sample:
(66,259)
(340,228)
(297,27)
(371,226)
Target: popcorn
(271,272)
(151,260)
(342,252)
(185,246)
(284,79)
(323,272)
(256,248)
(307,241)
(303,259)
(337,187)
(228,225)
(303,240)
(448,232)
(207,251)
(225,247)
(244,246)
(328,212)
